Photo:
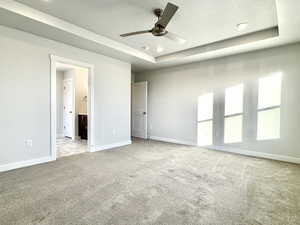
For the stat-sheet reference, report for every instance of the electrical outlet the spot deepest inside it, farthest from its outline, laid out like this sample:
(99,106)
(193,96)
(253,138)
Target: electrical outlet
(28,143)
(114,132)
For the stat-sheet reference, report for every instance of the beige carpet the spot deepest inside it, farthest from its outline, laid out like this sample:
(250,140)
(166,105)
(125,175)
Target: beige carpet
(152,182)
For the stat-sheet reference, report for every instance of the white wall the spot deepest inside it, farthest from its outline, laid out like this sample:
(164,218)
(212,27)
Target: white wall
(59,103)
(173,93)
(25,95)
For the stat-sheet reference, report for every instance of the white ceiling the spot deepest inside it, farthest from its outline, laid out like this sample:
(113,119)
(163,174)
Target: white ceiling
(95,25)
(198,21)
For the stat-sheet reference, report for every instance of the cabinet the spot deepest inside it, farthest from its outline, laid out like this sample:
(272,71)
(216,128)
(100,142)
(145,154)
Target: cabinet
(83,126)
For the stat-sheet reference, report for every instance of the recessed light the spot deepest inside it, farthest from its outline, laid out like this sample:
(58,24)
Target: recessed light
(159,49)
(46,0)
(242,26)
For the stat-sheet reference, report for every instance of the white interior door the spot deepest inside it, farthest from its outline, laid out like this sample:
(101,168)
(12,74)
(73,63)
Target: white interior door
(139,110)
(68,108)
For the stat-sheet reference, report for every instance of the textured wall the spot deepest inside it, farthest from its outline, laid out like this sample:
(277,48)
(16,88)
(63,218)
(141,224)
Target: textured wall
(173,93)
(25,93)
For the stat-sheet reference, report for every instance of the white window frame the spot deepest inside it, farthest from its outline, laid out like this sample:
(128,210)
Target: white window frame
(234,114)
(266,109)
(204,121)
(208,120)
(263,110)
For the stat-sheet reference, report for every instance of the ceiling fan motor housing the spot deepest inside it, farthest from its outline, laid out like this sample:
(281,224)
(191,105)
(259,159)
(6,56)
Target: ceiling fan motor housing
(158,12)
(159,31)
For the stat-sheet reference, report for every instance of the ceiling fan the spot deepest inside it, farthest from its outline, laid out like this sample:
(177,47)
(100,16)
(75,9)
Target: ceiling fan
(159,29)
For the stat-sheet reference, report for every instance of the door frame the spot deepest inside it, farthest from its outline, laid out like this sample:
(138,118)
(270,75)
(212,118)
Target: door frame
(73,106)
(146,103)
(91,102)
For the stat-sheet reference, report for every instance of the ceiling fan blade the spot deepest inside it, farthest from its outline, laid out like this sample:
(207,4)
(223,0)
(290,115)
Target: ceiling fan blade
(167,15)
(135,33)
(175,37)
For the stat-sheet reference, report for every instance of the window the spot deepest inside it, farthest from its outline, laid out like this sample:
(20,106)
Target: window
(269,101)
(233,125)
(205,119)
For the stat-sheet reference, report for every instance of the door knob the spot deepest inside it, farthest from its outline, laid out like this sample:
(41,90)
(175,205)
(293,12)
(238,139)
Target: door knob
(70,112)
(144,113)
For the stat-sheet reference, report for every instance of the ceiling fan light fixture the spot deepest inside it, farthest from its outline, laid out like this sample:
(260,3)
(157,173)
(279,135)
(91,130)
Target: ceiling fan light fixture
(242,26)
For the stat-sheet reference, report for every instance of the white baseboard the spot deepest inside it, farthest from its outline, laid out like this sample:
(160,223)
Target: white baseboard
(256,154)
(233,150)
(16,165)
(21,164)
(171,140)
(110,146)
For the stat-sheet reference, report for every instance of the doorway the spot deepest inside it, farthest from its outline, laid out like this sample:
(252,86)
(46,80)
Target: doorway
(72,104)
(139,109)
